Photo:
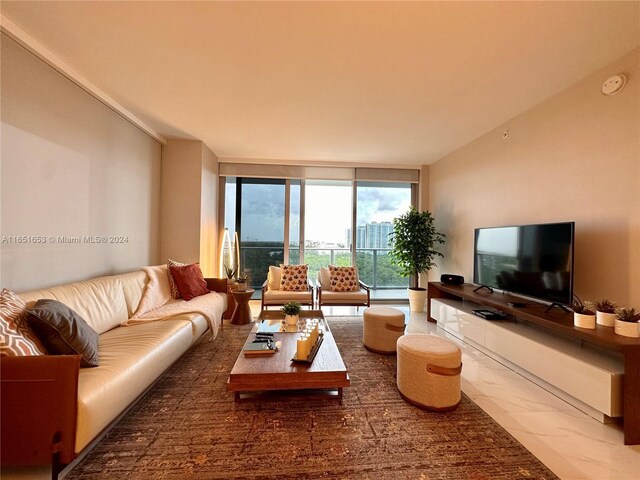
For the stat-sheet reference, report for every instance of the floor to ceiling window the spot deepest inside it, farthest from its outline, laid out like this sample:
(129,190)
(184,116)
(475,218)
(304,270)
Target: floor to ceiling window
(328,216)
(316,222)
(378,203)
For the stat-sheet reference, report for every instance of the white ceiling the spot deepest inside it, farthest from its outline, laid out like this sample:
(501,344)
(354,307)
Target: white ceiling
(388,82)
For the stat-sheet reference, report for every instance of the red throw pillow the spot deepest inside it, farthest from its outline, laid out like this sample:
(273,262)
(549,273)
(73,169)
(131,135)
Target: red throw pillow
(189,280)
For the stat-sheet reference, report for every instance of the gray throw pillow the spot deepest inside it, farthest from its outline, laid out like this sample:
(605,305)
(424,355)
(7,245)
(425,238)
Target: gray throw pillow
(63,331)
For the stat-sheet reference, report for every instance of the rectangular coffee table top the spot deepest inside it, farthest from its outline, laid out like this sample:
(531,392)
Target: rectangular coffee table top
(278,372)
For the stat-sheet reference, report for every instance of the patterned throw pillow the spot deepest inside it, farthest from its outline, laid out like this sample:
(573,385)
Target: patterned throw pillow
(294,278)
(175,293)
(344,279)
(16,339)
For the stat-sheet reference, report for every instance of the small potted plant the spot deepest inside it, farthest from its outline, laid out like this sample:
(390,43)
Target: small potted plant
(241,283)
(605,313)
(627,322)
(583,315)
(291,312)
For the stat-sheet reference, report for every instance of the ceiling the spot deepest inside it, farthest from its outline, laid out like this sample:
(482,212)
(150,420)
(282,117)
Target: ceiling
(386,82)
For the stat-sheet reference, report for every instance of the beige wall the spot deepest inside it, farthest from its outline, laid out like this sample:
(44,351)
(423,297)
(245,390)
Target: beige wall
(70,167)
(189,204)
(574,157)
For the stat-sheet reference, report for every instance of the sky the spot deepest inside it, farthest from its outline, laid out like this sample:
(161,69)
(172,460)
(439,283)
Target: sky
(328,209)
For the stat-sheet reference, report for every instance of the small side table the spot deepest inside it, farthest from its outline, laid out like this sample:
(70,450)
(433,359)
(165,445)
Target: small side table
(242,312)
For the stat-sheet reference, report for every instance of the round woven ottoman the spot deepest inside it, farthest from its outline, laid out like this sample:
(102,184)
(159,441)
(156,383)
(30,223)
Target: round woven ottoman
(381,329)
(429,372)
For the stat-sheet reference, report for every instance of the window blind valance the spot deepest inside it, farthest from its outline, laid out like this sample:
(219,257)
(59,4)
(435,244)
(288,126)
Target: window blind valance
(256,170)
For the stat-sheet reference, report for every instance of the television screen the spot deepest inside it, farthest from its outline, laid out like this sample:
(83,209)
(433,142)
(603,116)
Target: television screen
(531,260)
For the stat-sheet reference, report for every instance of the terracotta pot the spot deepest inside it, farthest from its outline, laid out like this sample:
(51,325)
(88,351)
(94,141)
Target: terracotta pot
(241,286)
(584,321)
(627,329)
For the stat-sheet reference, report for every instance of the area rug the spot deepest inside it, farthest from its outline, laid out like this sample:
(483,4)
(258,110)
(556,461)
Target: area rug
(188,426)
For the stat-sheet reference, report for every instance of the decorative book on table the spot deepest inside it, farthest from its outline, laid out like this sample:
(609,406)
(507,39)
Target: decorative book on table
(260,348)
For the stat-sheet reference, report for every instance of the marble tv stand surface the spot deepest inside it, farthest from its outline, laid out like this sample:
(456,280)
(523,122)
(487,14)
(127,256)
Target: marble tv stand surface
(595,370)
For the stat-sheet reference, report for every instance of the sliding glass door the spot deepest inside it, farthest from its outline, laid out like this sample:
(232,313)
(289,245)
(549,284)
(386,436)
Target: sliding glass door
(378,203)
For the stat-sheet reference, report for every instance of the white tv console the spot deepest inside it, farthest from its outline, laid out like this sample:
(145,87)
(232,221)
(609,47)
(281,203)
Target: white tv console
(584,367)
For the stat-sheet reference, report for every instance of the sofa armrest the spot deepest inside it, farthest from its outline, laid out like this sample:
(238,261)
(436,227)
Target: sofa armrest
(217,284)
(39,409)
(364,285)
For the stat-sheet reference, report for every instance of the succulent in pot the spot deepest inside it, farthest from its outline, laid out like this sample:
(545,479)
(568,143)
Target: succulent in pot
(627,322)
(291,312)
(241,283)
(605,312)
(583,314)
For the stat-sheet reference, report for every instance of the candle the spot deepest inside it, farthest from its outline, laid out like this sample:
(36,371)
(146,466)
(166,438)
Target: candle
(307,345)
(301,350)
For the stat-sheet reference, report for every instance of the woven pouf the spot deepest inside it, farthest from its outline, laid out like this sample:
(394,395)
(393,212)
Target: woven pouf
(382,328)
(429,371)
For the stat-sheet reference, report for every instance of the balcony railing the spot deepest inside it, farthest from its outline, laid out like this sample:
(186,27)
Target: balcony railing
(374,265)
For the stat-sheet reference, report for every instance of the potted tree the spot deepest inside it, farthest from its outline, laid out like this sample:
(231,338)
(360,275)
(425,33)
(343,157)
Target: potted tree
(413,242)
(605,312)
(583,315)
(291,312)
(627,322)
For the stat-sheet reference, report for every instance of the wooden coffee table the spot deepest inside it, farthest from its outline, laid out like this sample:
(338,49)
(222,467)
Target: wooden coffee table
(254,375)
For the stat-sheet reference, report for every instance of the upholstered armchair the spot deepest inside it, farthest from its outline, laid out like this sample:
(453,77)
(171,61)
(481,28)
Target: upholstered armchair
(274,296)
(327,297)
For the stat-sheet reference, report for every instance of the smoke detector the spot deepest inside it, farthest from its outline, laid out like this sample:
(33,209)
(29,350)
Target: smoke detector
(614,84)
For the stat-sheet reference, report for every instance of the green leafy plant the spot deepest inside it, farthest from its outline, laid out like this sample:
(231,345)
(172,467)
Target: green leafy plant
(291,308)
(229,271)
(605,306)
(585,308)
(628,315)
(413,242)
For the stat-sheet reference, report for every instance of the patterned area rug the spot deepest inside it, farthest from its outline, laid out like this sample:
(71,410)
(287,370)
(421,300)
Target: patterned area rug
(188,426)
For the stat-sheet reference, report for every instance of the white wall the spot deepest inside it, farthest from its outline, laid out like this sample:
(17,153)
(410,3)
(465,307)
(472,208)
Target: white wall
(70,167)
(574,157)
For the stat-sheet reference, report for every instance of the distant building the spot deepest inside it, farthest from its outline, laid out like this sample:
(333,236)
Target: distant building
(371,235)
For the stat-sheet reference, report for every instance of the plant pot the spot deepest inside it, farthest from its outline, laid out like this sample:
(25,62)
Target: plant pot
(241,286)
(606,319)
(291,319)
(417,299)
(584,321)
(627,329)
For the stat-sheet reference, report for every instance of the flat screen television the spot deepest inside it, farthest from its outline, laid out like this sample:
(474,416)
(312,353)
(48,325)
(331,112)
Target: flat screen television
(530,260)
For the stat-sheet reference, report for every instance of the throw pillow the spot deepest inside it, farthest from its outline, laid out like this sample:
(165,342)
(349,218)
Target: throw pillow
(274,278)
(190,281)
(16,339)
(344,279)
(294,278)
(63,331)
(175,293)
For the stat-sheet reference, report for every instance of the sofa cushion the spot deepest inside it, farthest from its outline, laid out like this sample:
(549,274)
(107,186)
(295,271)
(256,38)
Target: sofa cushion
(175,292)
(16,338)
(274,278)
(347,298)
(131,359)
(344,279)
(99,301)
(324,277)
(279,297)
(133,286)
(189,280)
(63,331)
(294,278)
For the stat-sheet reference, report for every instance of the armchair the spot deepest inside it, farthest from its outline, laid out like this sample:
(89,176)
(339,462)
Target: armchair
(272,295)
(361,298)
